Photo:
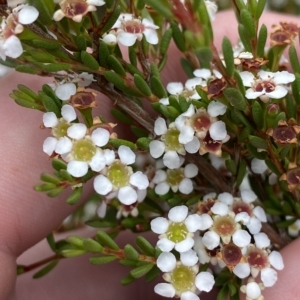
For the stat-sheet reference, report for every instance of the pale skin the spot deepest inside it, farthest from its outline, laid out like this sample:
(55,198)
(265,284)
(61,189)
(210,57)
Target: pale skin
(27,216)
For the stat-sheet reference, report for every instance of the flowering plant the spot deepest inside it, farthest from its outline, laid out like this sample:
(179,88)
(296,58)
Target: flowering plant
(210,165)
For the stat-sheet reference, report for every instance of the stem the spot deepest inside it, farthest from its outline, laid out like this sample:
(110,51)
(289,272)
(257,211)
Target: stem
(40,263)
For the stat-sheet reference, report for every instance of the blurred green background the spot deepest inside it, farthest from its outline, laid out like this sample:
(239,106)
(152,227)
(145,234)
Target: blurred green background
(287,6)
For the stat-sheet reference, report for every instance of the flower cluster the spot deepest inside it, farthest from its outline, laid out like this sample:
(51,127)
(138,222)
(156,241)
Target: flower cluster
(224,230)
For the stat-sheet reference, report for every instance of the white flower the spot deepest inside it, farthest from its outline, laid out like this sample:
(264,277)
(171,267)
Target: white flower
(176,179)
(129,29)
(64,91)
(177,231)
(267,84)
(294,228)
(118,179)
(168,144)
(59,130)
(182,277)
(212,9)
(10,45)
(252,290)
(75,9)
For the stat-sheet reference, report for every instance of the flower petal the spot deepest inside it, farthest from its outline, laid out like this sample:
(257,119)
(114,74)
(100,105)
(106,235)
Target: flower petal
(159,225)
(100,137)
(102,185)
(165,290)
(205,281)
(126,155)
(77,168)
(178,214)
(127,195)
(166,262)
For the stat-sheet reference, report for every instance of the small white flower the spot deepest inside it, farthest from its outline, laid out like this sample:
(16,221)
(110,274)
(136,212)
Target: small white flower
(212,9)
(176,179)
(75,9)
(168,145)
(10,44)
(118,179)
(177,231)
(65,91)
(129,29)
(267,84)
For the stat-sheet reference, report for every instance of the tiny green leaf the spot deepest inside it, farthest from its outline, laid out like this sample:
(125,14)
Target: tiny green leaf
(102,260)
(92,246)
(46,269)
(103,54)
(161,7)
(89,60)
(72,252)
(165,41)
(258,114)
(178,37)
(118,142)
(105,240)
(248,22)
(294,59)
(75,196)
(241,173)
(157,87)
(143,143)
(115,65)
(236,98)
(131,253)
(262,39)
(142,85)
(258,142)
(228,56)
(141,271)
(145,246)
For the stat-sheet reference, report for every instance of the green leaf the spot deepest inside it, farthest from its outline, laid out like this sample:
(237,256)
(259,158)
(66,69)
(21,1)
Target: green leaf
(54,193)
(29,69)
(42,56)
(260,8)
(258,114)
(89,60)
(248,22)
(222,295)
(228,56)
(239,82)
(119,115)
(131,253)
(187,67)
(92,246)
(139,132)
(145,246)
(120,84)
(161,7)
(262,39)
(112,19)
(118,142)
(153,273)
(132,56)
(49,178)
(127,280)
(294,59)
(72,252)
(46,269)
(103,54)
(53,68)
(231,166)
(178,37)
(115,65)
(51,241)
(80,42)
(244,38)
(157,87)
(165,41)
(141,271)
(46,44)
(102,260)
(105,240)
(100,223)
(58,164)
(241,173)
(142,85)
(232,288)
(75,196)
(50,104)
(143,143)
(76,241)
(258,142)
(285,223)
(236,98)
(204,56)
(66,175)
